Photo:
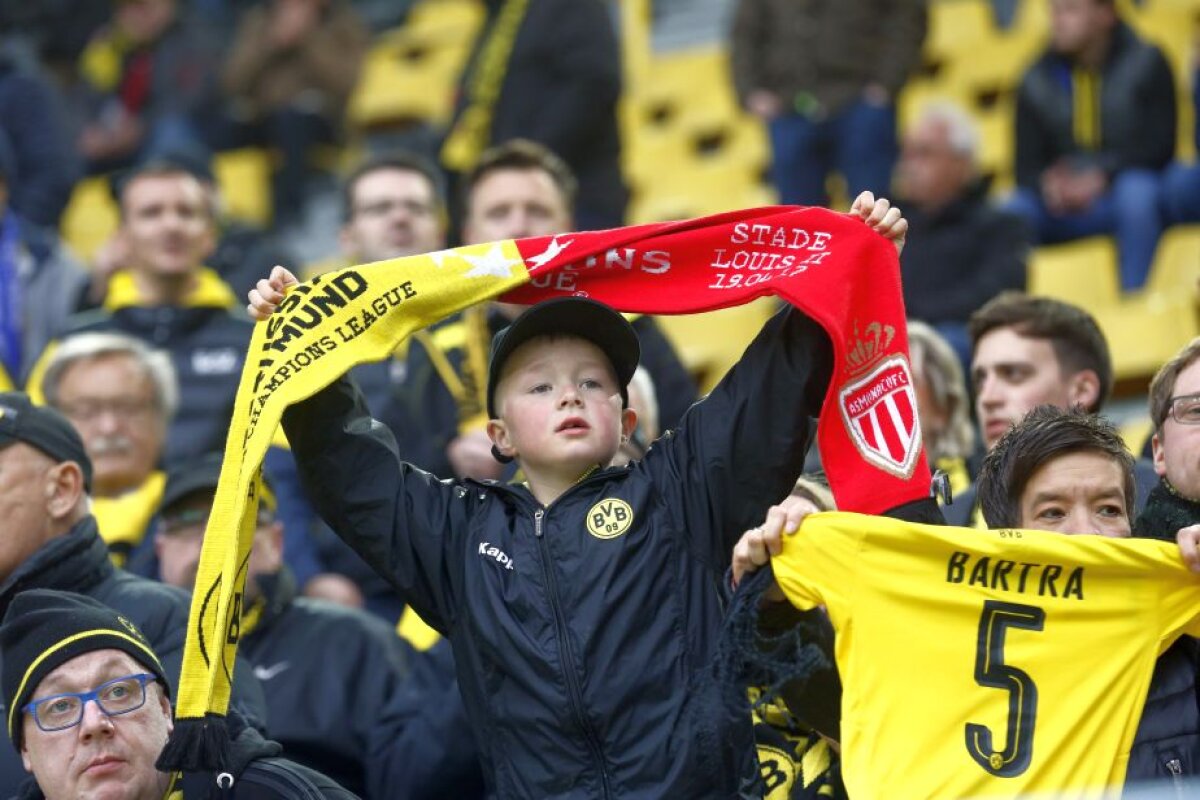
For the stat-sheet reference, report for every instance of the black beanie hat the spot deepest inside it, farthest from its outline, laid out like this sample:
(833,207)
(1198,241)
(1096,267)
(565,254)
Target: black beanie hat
(43,428)
(45,628)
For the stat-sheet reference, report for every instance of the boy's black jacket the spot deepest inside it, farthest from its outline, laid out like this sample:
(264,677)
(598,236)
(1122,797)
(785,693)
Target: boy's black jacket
(582,631)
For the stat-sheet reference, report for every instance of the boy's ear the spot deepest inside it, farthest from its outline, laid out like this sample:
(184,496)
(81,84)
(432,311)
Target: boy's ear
(497,431)
(628,423)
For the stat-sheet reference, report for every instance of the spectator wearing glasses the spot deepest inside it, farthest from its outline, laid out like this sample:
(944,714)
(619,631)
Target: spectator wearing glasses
(1174,503)
(120,395)
(50,542)
(350,707)
(89,711)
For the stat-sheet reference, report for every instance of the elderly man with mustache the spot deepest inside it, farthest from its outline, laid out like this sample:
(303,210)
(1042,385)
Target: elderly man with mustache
(120,395)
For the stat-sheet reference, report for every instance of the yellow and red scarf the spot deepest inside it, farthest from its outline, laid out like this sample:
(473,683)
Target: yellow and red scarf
(831,266)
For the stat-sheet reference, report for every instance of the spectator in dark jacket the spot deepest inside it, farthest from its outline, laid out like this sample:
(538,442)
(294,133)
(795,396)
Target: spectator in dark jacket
(963,251)
(518,189)
(94,713)
(824,77)
(558,82)
(50,542)
(168,299)
(41,285)
(333,707)
(44,165)
(1181,186)
(289,74)
(1095,121)
(151,75)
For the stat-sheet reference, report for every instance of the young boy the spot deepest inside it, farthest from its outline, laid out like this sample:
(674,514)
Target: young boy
(583,606)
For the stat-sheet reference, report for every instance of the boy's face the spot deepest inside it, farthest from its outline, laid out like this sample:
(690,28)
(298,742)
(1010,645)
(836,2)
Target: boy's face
(1081,492)
(560,407)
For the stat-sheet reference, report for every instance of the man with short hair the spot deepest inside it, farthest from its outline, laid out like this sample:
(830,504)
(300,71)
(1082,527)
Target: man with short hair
(50,541)
(1174,502)
(964,251)
(1029,351)
(121,396)
(168,299)
(1095,127)
(392,206)
(89,710)
(517,189)
(1069,471)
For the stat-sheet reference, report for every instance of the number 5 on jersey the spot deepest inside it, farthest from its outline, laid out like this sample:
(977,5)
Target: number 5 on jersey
(991,671)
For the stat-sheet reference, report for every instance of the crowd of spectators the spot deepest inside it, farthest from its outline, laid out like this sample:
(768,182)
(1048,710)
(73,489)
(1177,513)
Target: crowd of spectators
(129,362)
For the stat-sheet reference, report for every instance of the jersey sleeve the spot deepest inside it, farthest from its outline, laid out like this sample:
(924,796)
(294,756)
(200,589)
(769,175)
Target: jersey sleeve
(816,566)
(1179,596)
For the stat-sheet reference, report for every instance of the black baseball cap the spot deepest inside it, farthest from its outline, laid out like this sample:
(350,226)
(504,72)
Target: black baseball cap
(43,428)
(569,316)
(201,475)
(45,628)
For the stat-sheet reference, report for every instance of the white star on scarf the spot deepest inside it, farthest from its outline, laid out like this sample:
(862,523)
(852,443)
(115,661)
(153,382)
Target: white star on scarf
(492,264)
(439,258)
(552,251)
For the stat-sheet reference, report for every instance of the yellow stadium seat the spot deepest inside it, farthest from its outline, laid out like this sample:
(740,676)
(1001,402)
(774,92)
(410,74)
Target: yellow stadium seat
(1176,268)
(411,72)
(91,217)
(996,142)
(688,88)
(1082,272)
(709,344)
(245,179)
(1145,331)
(992,66)
(1136,431)
(955,26)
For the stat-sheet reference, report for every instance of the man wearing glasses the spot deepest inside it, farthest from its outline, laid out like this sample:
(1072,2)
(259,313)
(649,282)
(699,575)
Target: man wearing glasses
(50,541)
(88,708)
(1174,503)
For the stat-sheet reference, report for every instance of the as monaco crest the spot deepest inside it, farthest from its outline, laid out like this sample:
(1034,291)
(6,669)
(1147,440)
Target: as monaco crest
(880,412)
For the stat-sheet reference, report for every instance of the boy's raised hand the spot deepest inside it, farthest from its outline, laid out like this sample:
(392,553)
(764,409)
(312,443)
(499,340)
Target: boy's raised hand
(757,545)
(882,217)
(1189,546)
(268,293)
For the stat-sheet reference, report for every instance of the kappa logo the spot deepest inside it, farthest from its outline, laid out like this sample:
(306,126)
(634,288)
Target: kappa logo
(487,551)
(608,519)
(880,408)
(220,361)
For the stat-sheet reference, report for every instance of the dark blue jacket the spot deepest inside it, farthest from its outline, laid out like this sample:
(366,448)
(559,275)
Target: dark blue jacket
(46,165)
(335,679)
(78,562)
(582,631)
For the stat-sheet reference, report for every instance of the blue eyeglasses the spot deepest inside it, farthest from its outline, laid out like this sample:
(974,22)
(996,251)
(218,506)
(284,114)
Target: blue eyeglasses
(118,696)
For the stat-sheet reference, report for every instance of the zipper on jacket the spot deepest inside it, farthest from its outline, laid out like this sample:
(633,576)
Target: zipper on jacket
(1175,767)
(564,653)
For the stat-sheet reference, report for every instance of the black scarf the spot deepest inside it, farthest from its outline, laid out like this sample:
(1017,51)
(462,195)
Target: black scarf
(1165,513)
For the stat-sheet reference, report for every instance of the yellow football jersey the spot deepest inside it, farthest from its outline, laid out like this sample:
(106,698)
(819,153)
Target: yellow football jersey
(988,663)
